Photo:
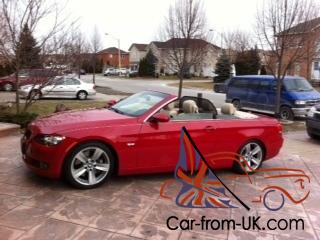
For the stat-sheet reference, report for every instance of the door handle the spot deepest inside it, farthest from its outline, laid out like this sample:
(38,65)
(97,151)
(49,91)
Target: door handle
(209,128)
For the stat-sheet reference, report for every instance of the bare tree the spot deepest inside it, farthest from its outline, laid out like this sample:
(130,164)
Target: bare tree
(185,27)
(284,30)
(237,41)
(96,47)
(15,15)
(77,49)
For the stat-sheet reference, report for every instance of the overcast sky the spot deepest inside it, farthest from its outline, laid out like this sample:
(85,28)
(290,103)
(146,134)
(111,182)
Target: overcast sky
(138,21)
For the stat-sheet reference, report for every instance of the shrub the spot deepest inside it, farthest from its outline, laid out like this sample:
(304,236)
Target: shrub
(22,119)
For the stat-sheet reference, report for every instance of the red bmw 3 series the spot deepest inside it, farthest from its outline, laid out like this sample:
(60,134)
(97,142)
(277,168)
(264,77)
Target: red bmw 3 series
(140,135)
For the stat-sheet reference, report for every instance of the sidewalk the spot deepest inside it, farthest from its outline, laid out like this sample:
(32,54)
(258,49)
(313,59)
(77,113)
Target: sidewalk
(8,128)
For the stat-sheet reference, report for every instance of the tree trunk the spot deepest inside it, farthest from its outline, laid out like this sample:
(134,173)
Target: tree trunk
(180,85)
(94,70)
(17,91)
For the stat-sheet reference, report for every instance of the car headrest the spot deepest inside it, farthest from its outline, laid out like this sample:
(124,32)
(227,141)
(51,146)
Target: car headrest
(190,106)
(228,109)
(169,107)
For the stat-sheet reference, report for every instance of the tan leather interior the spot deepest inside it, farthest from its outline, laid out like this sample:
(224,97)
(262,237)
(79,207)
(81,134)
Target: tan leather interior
(228,109)
(190,106)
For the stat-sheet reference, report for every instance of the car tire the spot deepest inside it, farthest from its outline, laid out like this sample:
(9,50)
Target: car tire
(286,113)
(83,170)
(313,136)
(236,103)
(8,87)
(253,153)
(35,95)
(216,89)
(82,95)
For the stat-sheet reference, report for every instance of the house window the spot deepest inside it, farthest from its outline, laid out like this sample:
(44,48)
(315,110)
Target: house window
(110,55)
(316,66)
(297,69)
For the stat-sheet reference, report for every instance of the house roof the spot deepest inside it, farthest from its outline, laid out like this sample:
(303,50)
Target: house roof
(139,46)
(303,27)
(180,43)
(112,50)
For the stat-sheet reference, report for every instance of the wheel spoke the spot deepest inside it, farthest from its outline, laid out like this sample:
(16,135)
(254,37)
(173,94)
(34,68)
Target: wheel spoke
(255,161)
(97,153)
(79,172)
(255,150)
(247,148)
(102,167)
(92,177)
(80,156)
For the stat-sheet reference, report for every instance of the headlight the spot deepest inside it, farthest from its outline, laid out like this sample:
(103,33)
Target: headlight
(50,140)
(311,112)
(300,102)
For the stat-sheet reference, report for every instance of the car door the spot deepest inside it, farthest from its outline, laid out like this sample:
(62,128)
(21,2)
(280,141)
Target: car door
(24,77)
(72,86)
(159,146)
(253,94)
(266,95)
(57,88)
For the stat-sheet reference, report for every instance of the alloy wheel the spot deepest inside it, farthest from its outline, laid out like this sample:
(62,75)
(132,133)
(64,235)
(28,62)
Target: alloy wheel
(252,153)
(90,166)
(82,95)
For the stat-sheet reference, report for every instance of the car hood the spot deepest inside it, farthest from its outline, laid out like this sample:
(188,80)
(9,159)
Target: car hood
(305,95)
(76,120)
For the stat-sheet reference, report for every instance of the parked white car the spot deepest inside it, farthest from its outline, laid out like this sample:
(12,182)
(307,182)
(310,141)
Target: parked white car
(59,87)
(111,72)
(123,71)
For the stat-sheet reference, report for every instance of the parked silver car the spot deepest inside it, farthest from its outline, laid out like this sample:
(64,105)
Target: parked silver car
(59,87)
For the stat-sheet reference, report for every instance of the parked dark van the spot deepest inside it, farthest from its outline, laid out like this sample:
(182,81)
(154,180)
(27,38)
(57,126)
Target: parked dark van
(258,93)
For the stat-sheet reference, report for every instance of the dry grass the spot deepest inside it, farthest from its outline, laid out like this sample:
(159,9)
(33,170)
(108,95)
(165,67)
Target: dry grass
(198,85)
(45,107)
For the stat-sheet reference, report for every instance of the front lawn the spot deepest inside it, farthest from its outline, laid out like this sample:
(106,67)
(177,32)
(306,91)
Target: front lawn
(43,108)
(191,85)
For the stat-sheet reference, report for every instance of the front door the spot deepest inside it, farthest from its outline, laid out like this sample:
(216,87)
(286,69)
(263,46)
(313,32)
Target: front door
(159,145)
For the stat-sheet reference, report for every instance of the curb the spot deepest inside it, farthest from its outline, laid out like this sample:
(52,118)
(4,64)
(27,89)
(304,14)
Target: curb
(7,129)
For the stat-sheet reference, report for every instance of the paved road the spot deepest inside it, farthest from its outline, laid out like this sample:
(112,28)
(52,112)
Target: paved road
(134,85)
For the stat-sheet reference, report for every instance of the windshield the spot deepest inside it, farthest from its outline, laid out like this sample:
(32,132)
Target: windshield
(139,103)
(297,84)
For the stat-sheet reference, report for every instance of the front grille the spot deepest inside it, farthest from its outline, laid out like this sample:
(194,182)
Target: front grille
(313,102)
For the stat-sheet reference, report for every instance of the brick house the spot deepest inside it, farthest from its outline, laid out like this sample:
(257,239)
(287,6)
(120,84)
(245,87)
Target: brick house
(306,37)
(110,58)
(137,51)
(162,51)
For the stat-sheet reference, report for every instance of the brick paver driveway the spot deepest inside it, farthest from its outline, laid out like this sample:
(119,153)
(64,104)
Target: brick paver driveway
(130,207)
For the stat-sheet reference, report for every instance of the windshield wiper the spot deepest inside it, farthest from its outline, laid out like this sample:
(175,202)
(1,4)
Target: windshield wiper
(117,110)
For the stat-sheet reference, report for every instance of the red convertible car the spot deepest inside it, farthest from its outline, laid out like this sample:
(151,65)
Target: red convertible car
(140,134)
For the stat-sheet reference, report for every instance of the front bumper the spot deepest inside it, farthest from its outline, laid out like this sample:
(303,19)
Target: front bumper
(301,112)
(313,126)
(92,93)
(44,160)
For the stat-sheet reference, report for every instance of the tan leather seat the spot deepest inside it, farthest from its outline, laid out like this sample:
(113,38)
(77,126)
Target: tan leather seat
(228,109)
(170,109)
(190,106)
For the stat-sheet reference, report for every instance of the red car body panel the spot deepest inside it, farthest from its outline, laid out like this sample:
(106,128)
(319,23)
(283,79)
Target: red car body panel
(142,146)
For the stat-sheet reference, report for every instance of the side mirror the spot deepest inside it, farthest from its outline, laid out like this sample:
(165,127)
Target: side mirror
(160,117)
